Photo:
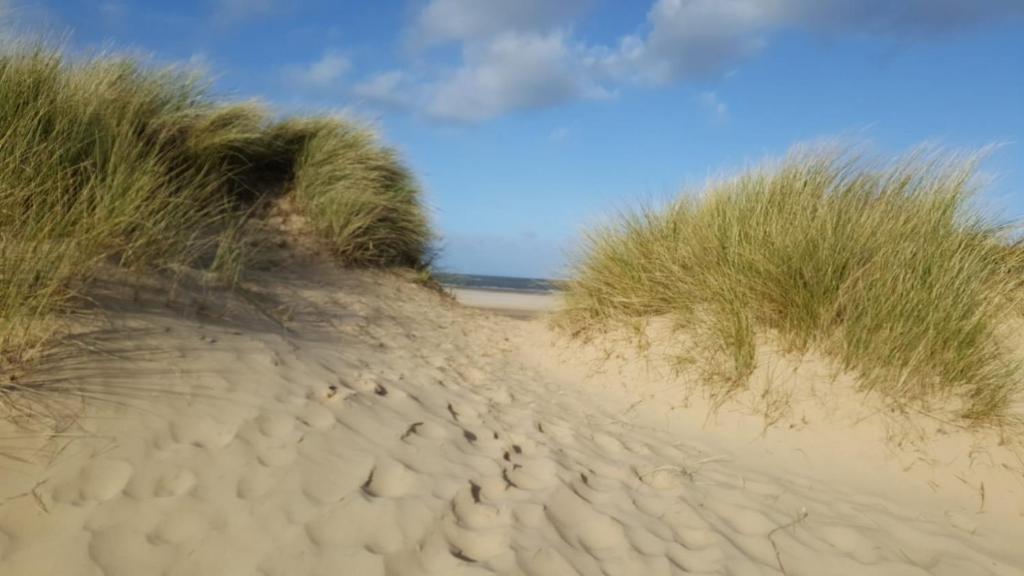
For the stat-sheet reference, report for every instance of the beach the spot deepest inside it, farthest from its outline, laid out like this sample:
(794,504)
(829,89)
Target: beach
(454,287)
(508,303)
(345,422)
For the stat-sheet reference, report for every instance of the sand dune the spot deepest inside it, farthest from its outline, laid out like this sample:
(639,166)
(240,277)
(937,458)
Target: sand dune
(354,423)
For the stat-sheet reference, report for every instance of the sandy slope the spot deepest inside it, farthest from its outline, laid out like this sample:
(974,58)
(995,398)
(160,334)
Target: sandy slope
(356,424)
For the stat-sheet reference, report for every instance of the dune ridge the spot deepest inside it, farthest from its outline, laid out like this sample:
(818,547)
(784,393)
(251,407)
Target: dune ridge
(888,266)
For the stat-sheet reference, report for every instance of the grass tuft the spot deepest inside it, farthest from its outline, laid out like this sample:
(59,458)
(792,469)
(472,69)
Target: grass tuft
(360,199)
(885,266)
(108,162)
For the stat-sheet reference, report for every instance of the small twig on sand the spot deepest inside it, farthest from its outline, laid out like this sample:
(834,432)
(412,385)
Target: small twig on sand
(711,459)
(778,557)
(667,467)
(39,499)
(688,470)
(33,492)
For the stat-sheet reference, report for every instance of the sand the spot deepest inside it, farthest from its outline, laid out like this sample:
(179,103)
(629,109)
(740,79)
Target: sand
(355,423)
(515,304)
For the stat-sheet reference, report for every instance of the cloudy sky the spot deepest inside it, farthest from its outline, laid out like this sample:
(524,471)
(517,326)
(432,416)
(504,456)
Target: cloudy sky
(528,119)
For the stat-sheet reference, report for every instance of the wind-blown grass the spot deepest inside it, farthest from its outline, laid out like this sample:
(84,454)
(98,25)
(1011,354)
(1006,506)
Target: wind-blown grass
(884,266)
(88,174)
(359,198)
(104,161)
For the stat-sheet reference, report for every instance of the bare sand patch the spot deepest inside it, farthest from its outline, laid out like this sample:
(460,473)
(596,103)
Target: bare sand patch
(353,423)
(516,304)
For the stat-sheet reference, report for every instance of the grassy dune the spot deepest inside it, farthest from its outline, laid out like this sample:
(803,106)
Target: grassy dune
(358,197)
(884,266)
(105,161)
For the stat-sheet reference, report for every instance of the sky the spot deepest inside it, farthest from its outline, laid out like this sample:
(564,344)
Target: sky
(528,121)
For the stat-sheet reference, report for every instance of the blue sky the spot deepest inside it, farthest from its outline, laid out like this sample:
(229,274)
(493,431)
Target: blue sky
(527,120)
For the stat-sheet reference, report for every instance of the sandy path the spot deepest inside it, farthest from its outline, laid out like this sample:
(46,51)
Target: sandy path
(391,433)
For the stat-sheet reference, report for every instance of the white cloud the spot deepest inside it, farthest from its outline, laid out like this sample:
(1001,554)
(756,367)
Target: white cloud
(448,20)
(324,72)
(515,71)
(690,38)
(391,88)
(686,39)
(523,54)
(514,55)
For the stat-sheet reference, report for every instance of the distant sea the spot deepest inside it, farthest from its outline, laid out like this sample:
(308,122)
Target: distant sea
(498,283)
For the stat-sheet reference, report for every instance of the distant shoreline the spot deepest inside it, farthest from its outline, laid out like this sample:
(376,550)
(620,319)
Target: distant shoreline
(519,285)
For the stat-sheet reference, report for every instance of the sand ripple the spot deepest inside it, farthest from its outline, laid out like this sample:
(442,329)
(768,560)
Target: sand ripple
(415,441)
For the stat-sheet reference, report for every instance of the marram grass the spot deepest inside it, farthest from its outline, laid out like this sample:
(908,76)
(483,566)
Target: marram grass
(361,201)
(885,266)
(106,162)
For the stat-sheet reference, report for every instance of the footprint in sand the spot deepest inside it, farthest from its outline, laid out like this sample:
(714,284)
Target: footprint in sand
(181,527)
(316,416)
(97,481)
(583,527)
(332,394)
(256,483)
(471,511)
(463,414)
(276,426)
(202,431)
(341,481)
(559,430)
(357,523)
(493,489)
(389,479)
(533,474)
(595,489)
(175,483)
(120,551)
(276,457)
(424,430)
(166,480)
(474,545)
(365,383)
(102,480)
